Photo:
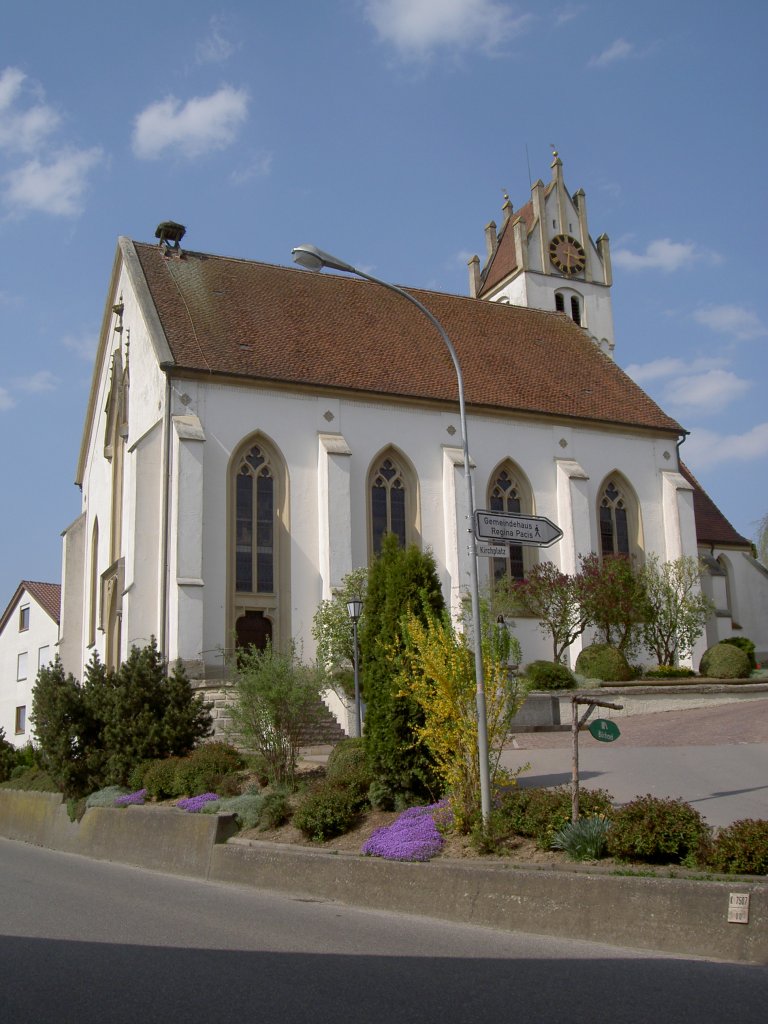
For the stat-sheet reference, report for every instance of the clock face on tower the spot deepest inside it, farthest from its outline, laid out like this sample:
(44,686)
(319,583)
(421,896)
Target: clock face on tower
(567,254)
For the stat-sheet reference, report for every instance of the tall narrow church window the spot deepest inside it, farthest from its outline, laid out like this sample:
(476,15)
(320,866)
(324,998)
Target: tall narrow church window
(255,524)
(94,585)
(559,302)
(392,500)
(575,310)
(614,521)
(507,494)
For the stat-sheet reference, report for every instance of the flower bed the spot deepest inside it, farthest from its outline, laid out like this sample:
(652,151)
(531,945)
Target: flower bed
(414,836)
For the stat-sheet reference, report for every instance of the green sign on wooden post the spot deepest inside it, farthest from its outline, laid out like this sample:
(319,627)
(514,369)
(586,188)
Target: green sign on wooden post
(605,730)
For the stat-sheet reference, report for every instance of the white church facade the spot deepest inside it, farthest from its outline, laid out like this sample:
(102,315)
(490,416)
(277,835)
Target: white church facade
(253,430)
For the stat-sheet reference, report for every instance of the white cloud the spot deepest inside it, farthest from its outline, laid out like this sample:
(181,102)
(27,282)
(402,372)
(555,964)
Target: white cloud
(261,167)
(215,48)
(707,392)
(619,49)
(22,130)
(705,448)
(6,400)
(734,320)
(567,13)
(202,124)
(43,380)
(83,345)
(55,187)
(417,27)
(662,254)
(670,366)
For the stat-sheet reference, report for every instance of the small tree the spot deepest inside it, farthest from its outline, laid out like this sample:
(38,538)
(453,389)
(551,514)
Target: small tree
(557,600)
(438,669)
(677,610)
(332,631)
(64,729)
(274,696)
(614,600)
(7,757)
(400,581)
(762,539)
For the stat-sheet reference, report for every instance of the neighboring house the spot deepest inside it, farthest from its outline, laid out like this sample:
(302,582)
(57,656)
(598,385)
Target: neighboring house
(253,430)
(736,582)
(29,632)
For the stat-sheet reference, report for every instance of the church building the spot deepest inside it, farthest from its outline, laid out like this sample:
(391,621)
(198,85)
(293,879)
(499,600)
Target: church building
(253,430)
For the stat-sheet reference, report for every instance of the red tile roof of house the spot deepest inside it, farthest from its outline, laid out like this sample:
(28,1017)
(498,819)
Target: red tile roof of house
(288,326)
(711,525)
(47,595)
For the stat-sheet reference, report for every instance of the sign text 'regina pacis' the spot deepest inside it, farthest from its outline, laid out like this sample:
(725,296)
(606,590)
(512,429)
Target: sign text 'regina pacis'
(530,531)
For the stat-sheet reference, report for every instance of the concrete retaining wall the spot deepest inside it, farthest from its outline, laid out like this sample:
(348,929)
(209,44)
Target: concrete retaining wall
(679,916)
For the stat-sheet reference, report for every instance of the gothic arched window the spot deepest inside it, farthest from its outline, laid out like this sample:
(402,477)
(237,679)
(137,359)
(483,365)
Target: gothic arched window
(508,492)
(391,497)
(618,518)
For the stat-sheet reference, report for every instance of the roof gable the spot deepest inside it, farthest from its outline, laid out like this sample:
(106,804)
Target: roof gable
(47,595)
(287,326)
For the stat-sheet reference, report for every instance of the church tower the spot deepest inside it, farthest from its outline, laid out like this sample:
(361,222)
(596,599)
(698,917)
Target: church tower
(543,257)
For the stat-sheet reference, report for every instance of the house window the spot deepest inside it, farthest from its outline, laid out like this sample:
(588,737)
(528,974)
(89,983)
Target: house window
(43,657)
(23,617)
(255,523)
(21,666)
(509,493)
(619,520)
(391,500)
(21,720)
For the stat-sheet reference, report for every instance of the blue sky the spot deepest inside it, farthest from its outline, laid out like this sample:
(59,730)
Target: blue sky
(385,131)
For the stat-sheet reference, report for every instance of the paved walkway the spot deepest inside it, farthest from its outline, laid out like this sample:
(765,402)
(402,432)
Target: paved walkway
(714,758)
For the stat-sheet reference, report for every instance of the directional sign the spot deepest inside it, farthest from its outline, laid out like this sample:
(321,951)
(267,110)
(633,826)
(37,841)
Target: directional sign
(605,730)
(491,550)
(509,528)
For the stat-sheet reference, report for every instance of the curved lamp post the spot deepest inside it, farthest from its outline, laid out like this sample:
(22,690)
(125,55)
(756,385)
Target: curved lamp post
(312,258)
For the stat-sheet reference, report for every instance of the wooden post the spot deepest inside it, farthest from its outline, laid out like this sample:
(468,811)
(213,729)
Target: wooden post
(576,724)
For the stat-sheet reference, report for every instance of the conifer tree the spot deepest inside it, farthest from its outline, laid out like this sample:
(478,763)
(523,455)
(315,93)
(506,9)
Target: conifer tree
(400,582)
(63,727)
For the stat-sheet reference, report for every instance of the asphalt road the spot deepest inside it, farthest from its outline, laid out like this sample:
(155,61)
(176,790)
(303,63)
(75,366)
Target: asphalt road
(86,941)
(714,758)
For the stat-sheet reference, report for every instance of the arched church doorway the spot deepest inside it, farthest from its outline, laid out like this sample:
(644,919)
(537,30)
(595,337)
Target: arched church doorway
(253,629)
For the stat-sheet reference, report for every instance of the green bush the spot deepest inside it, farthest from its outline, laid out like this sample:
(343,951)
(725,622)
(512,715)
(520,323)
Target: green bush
(741,848)
(203,770)
(105,797)
(746,645)
(246,808)
(540,813)
(348,769)
(325,811)
(724,661)
(33,779)
(160,779)
(601,661)
(275,810)
(548,675)
(658,831)
(668,672)
(136,776)
(380,796)
(583,840)
(7,757)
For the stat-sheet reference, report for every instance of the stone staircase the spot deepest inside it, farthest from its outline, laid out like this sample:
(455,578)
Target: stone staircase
(325,730)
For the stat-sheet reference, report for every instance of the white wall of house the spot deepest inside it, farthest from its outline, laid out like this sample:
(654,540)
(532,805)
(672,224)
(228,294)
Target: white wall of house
(23,650)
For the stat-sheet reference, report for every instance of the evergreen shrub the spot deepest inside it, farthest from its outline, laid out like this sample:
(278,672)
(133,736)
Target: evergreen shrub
(668,672)
(601,661)
(540,813)
(583,839)
(202,770)
(104,797)
(724,661)
(326,811)
(746,645)
(741,848)
(160,779)
(549,675)
(658,831)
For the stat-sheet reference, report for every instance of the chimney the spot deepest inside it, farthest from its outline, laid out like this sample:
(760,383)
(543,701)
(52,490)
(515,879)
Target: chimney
(491,238)
(474,276)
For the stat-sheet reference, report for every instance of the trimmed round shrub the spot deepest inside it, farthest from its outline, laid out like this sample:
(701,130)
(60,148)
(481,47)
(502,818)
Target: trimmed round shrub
(601,661)
(548,675)
(325,812)
(160,778)
(657,830)
(746,645)
(741,848)
(203,770)
(540,813)
(348,768)
(724,661)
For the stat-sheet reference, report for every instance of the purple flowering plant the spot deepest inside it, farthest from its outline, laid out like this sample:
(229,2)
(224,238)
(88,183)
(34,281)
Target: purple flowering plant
(193,804)
(128,799)
(414,835)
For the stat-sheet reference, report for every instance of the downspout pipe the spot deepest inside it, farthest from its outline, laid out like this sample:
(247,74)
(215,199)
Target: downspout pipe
(165,538)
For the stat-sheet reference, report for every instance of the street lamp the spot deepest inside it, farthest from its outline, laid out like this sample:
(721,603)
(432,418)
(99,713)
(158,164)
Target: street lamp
(312,258)
(354,611)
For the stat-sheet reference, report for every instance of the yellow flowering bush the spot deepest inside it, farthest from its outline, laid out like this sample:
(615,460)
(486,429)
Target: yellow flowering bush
(438,672)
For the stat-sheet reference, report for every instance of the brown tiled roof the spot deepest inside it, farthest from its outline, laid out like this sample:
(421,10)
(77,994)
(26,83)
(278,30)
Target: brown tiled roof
(289,326)
(711,525)
(504,260)
(47,595)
